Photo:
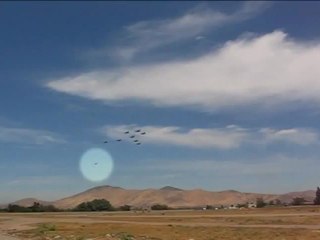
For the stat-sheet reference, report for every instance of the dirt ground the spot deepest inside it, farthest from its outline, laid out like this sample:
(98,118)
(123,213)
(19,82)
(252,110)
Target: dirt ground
(300,223)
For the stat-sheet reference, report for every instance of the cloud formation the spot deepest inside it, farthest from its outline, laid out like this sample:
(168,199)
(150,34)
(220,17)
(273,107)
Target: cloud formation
(147,35)
(223,138)
(28,136)
(267,70)
(293,135)
(220,138)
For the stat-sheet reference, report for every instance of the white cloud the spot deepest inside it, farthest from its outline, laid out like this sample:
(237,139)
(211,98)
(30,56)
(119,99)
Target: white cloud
(266,70)
(147,35)
(293,135)
(28,136)
(221,138)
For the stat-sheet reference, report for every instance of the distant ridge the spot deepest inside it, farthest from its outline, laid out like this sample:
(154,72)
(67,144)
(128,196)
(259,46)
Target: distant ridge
(28,202)
(171,196)
(169,188)
(308,195)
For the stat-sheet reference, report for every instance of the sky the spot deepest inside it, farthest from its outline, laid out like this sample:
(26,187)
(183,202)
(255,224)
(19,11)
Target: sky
(227,93)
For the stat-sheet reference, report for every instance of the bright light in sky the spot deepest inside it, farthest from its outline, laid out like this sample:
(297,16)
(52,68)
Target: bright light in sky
(96,164)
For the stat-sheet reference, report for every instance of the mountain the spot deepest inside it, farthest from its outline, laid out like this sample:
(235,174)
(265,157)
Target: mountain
(307,195)
(169,188)
(173,197)
(27,202)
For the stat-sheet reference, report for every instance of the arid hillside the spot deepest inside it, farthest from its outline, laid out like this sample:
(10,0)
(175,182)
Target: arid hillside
(27,202)
(171,196)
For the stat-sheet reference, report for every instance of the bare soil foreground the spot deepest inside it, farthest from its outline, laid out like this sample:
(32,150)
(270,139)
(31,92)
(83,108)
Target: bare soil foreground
(299,223)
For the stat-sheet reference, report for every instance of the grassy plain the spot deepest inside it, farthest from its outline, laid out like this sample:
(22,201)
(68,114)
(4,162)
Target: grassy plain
(299,223)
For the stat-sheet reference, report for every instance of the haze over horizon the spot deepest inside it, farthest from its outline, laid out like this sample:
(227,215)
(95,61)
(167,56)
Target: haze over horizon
(227,93)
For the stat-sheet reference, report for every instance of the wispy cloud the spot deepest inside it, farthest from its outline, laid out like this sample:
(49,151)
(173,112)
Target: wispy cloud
(265,70)
(293,135)
(221,138)
(147,35)
(28,136)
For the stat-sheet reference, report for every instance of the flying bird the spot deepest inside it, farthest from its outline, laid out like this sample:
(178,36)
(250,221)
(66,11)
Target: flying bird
(119,140)
(138,143)
(126,132)
(105,142)
(132,136)
(96,163)
(143,133)
(136,140)
(138,130)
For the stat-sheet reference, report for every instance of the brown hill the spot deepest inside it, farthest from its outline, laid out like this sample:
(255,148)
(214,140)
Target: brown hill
(170,196)
(307,195)
(27,202)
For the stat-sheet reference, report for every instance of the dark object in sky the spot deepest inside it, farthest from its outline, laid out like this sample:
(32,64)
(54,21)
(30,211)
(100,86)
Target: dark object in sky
(95,163)
(138,143)
(105,142)
(143,133)
(136,140)
(132,136)
(138,130)
(119,140)
(126,132)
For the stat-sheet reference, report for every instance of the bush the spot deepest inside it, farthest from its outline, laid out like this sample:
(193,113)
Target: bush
(317,199)
(95,205)
(159,207)
(125,208)
(36,207)
(17,208)
(298,201)
(260,203)
(278,202)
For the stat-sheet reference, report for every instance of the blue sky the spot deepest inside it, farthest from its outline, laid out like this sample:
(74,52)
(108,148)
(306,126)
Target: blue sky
(228,93)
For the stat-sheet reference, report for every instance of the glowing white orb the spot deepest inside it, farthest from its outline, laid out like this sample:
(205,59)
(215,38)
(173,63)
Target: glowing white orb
(96,164)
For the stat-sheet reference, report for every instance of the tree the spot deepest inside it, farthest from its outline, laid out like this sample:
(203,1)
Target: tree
(36,207)
(95,205)
(125,208)
(17,208)
(278,202)
(271,202)
(159,207)
(82,207)
(260,203)
(298,201)
(317,199)
(50,208)
(101,205)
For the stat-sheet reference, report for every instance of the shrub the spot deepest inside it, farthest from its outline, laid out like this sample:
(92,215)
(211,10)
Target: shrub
(159,207)
(95,205)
